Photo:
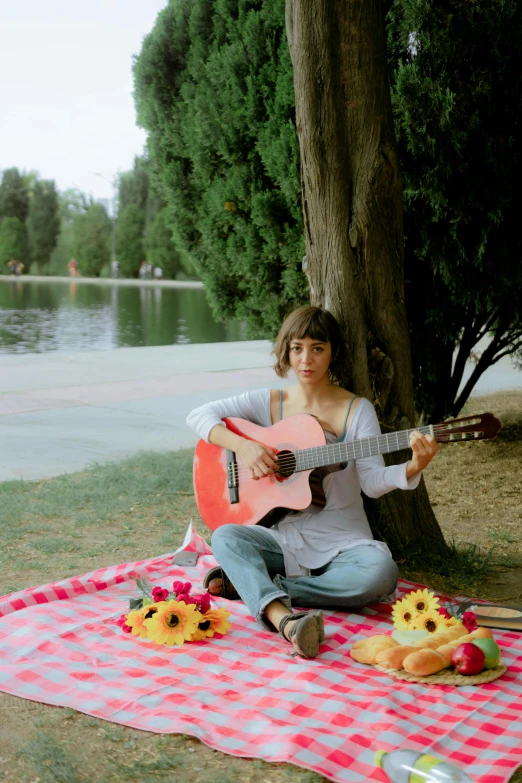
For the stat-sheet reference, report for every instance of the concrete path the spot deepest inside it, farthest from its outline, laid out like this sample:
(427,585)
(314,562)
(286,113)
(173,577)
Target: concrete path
(60,412)
(103,281)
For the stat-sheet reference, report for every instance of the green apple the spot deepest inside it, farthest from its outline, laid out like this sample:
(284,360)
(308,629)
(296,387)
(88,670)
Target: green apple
(491,650)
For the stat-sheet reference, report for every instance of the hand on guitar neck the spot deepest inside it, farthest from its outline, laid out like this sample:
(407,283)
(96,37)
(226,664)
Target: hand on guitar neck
(424,448)
(258,458)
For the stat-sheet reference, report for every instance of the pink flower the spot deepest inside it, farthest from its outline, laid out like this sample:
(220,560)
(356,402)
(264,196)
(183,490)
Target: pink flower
(159,594)
(187,598)
(181,587)
(121,620)
(469,621)
(444,612)
(203,602)
(126,628)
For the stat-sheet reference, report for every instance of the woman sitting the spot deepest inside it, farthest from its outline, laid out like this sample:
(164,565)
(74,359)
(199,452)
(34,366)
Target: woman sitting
(319,557)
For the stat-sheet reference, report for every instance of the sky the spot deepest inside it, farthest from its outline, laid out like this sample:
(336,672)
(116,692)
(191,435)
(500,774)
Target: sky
(66,106)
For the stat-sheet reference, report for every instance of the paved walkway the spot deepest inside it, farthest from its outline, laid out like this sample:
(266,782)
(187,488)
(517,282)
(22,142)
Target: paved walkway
(103,281)
(60,412)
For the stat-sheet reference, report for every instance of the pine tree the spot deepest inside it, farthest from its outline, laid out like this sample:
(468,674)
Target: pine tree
(214,89)
(457,94)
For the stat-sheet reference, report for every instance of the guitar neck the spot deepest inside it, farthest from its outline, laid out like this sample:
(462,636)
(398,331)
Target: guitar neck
(335,453)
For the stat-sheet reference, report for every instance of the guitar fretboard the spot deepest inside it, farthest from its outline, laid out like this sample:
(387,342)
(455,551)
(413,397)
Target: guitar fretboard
(334,453)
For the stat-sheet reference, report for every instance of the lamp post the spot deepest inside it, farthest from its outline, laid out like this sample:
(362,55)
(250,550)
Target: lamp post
(112,183)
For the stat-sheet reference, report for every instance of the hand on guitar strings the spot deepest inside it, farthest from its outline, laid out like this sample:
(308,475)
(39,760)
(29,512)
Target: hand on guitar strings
(424,448)
(259,459)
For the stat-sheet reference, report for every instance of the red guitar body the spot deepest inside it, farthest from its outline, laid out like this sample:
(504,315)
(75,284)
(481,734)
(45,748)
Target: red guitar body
(256,498)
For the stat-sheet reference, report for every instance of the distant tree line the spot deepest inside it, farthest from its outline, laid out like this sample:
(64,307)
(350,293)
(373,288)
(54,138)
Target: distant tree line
(29,219)
(214,89)
(43,229)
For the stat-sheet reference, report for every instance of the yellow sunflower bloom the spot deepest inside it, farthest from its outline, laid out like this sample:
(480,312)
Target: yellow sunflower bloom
(213,621)
(174,622)
(430,621)
(136,620)
(423,600)
(403,615)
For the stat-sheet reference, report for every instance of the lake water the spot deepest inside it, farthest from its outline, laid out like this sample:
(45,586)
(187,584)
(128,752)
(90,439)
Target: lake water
(38,317)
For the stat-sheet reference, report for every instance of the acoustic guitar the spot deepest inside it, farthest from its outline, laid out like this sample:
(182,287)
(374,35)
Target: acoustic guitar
(226,493)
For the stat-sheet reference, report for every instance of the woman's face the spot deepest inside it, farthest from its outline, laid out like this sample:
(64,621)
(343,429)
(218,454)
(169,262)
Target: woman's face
(310,359)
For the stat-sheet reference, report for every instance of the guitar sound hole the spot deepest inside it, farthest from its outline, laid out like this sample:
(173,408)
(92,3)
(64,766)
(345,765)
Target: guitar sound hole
(286,462)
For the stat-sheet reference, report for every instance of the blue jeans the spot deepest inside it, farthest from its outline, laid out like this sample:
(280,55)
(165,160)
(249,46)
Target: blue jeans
(253,561)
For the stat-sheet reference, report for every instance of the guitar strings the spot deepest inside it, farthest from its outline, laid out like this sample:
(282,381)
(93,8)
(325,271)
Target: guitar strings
(287,461)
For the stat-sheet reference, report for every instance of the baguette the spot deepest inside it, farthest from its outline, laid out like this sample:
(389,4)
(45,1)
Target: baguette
(441,637)
(388,653)
(393,657)
(365,650)
(425,662)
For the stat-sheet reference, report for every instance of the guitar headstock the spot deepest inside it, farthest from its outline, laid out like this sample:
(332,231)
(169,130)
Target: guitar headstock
(483,426)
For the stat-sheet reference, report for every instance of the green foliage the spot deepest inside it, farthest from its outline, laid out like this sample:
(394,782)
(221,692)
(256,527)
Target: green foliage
(129,239)
(159,247)
(14,195)
(43,222)
(457,92)
(214,88)
(133,186)
(14,242)
(92,232)
(72,202)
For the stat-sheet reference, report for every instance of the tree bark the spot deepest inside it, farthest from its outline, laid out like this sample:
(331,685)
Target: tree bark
(352,206)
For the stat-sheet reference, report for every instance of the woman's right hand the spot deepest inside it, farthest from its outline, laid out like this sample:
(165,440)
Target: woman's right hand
(258,458)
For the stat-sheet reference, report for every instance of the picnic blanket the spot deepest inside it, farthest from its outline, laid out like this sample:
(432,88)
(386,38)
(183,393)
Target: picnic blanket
(244,693)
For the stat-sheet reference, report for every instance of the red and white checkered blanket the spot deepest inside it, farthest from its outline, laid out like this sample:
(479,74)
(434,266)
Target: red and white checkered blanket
(244,694)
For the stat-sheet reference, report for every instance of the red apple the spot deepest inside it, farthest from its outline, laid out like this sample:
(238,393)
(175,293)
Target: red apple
(468,658)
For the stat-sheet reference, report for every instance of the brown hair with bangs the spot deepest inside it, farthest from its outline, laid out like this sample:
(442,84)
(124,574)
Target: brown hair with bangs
(316,323)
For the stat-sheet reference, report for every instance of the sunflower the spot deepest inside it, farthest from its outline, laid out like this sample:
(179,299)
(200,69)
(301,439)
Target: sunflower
(423,600)
(430,621)
(136,620)
(403,614)
(213,621)
(174,622)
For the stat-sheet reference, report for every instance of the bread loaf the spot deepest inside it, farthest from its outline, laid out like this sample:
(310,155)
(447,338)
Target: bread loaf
(393,657)
(365,650)
(424,662)
(426,656)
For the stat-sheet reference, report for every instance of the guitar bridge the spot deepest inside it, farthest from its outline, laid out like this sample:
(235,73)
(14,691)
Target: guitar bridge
(232,482)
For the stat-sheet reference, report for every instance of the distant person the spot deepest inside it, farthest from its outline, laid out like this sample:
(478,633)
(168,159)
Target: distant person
(143,270)
(19,268)
(158,272)
(115,269)
(150,269)
(72,266)
(11,265)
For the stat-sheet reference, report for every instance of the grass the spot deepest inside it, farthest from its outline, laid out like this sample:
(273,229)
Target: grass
(116,513)
(50,762)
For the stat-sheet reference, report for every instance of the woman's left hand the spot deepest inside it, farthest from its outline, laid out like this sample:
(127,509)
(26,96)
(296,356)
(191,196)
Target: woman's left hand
(424,448)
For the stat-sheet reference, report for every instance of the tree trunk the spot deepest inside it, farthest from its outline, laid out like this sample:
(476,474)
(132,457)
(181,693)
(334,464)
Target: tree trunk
(352,205)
